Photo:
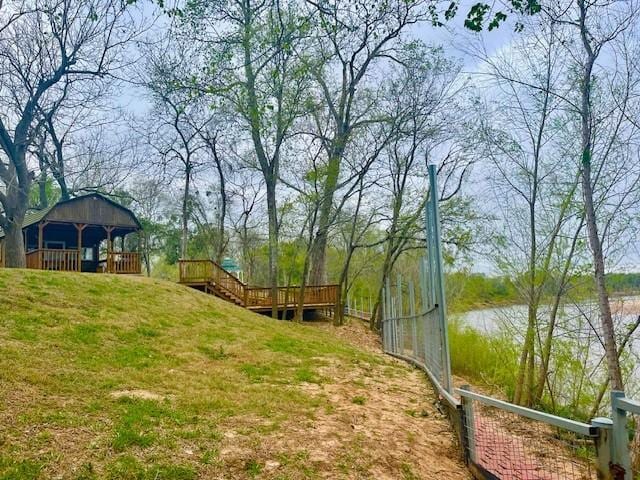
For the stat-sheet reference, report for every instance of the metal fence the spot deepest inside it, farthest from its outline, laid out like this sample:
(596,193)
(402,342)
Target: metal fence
(357,308)
(625,442)
(499,439)
(511,442)
(422,336)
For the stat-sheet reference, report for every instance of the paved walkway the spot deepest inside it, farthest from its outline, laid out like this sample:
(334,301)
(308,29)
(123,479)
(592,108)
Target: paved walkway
(511,456)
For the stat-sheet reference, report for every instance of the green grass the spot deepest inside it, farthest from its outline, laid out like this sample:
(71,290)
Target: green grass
(133,378)
(489,360)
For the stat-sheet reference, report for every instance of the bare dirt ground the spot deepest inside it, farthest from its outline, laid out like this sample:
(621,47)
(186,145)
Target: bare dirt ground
(387,411)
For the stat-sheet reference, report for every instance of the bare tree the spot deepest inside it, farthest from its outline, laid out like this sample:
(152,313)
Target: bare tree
(44,43)
(354,40)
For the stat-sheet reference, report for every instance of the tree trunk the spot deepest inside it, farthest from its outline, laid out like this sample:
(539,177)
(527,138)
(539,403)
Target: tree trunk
(185,215)
(303,285)
(62,183)
(606,320)
(14,244)
(519,396)
(318,272)
(223,205)
(343,287)
(273,245)
(43,201)
(15,208)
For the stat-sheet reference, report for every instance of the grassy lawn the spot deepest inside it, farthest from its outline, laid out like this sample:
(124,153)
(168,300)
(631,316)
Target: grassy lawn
(134,378)
(131,378)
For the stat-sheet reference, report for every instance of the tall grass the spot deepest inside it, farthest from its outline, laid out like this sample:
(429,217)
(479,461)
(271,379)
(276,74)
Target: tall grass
(490,360)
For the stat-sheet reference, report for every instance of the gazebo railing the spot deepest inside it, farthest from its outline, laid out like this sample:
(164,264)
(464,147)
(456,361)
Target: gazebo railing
(71,261)
(54,259)
(123,262)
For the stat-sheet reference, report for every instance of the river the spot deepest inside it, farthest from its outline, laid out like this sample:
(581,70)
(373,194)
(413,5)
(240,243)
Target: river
(576,322)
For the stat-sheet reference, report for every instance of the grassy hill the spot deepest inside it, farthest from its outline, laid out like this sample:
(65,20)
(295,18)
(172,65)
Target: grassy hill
(132,378)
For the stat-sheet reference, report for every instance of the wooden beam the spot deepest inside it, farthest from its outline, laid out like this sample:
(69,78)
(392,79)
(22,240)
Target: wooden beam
(79,227)
(41,226)
(109,246)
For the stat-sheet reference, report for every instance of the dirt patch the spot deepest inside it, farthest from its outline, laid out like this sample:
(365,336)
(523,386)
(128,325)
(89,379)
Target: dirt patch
(139,394)
(382,423)
(356,332)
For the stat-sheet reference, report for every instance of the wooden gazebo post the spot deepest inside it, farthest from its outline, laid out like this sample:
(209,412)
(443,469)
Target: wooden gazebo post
(80,227)
(109,247)
(40,243)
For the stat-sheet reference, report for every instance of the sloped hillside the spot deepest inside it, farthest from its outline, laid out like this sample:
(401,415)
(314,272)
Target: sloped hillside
(132,378)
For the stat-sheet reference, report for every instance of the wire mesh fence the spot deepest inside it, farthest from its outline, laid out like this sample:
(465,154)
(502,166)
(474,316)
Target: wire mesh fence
(417,337)
(509,445)
(415,327)
(633,431)
(499,439)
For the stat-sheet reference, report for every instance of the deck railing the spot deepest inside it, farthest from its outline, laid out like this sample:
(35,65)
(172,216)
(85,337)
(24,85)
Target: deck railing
(123,262)
(204,272)
(33,259)
(53,259)
(319,295)
(195,271)
(70,261)
(228,282)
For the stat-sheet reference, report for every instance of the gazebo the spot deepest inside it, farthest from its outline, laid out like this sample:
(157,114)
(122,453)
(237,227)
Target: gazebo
(83,234)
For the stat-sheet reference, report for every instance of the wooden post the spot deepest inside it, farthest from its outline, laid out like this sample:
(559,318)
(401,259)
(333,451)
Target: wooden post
(40,243)
(80,227)
(109,247)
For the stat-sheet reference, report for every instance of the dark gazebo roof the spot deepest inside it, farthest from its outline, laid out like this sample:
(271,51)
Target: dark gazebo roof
(92,209)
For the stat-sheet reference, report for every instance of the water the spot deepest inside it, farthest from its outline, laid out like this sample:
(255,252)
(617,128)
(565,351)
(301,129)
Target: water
(575,321)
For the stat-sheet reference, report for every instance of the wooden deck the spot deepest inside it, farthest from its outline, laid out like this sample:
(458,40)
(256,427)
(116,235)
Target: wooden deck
(210,277)
(64,260)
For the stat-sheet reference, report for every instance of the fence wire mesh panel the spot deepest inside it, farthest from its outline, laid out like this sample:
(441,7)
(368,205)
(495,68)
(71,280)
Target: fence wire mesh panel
(506,445)
(422,336)
(633,431)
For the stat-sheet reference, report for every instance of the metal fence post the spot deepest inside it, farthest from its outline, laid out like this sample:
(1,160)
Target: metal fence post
(620,438)
(468,425)
(439,275)
(423,285)
(425,307)
(414,320)
(385,329)
(604,447)
(390,321)
(400,314)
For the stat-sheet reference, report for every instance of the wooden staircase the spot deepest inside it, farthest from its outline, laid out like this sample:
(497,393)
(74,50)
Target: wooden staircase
(208,276)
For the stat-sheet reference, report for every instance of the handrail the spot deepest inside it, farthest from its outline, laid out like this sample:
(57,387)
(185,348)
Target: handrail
(627,404)
(313,295)
(208,271)
(122,262)
(571,425)
(64,260)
